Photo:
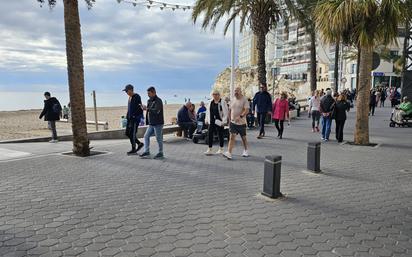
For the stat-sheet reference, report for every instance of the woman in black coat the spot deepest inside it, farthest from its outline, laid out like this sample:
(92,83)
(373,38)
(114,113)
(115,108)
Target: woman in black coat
(341,107)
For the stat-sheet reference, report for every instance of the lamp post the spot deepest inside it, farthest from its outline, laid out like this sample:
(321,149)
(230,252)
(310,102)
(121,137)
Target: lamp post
(232,71)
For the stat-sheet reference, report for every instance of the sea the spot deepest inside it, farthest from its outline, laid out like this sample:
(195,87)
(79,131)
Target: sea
(15,101)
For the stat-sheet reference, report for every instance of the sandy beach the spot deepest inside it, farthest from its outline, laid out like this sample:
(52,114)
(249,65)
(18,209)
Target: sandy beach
(26,123)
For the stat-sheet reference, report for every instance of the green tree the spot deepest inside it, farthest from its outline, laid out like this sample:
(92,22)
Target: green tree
(303,11)
(362,23)
(74,53)
(260,15)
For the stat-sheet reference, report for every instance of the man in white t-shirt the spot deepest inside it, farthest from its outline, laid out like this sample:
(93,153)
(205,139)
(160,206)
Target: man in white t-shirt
(239,108)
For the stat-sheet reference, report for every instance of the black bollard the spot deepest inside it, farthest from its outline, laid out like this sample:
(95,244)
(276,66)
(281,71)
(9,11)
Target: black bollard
(271,178)
(313,162)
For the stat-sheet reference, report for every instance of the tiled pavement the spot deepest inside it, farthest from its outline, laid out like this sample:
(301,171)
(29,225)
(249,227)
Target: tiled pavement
(193,205)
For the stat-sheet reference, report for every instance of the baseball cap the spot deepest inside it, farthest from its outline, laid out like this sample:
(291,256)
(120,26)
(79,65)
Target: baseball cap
(127,87)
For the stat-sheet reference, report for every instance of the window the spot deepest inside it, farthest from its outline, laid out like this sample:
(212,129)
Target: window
(353,69)
(352,83)
(394,53)
(320,70)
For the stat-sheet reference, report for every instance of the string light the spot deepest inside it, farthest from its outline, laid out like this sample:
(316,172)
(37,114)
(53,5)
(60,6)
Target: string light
(162,5)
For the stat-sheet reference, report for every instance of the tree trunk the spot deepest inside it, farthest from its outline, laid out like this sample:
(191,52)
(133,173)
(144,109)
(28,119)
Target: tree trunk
(75,71)
(336,70)
(361,136)
(313,62)
(261,46)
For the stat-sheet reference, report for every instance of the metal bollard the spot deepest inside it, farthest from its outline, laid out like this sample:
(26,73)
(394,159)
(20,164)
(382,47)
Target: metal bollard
(271,178)
(313,161)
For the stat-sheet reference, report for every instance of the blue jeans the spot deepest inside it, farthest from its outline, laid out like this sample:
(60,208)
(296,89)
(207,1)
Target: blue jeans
(326,126)
(157,130)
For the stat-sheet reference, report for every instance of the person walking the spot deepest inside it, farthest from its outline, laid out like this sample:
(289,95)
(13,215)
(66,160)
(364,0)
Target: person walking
(378,96)
(155,120)
(65,112)
(372,103)
(327,104)
(262,105)
(133,117)
(281,112)
(185,120)
(51,112)
(314,110)
(383,98)
(239,108)
(216,119)
(342,106)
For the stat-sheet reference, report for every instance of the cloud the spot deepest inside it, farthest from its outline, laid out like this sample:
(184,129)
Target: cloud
(115,37)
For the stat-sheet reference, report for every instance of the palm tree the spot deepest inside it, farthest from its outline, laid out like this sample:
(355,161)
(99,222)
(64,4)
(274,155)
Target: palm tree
(303,11)
(75,70)
(362,23)
(260,15)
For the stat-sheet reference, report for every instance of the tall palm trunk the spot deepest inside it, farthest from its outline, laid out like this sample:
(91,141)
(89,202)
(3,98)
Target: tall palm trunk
(336,68)
(361,136)
(313,62)
(261,46)
(75,70)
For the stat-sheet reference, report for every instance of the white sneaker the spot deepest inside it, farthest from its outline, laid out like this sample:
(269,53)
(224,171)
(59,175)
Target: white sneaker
(245,153)
(53,141)
(228,155)
(220,151)
(209,151)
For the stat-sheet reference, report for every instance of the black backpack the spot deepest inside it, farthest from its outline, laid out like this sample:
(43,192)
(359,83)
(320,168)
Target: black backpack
(57,108)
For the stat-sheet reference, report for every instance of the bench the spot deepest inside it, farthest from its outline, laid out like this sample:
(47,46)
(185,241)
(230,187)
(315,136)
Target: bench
(293,114)
(105,124)
(303,103)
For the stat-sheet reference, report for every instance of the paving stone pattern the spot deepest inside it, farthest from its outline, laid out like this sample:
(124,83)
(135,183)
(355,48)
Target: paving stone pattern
(193,205)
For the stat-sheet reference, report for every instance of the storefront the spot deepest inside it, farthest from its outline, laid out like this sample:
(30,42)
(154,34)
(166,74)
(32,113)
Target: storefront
(384,79)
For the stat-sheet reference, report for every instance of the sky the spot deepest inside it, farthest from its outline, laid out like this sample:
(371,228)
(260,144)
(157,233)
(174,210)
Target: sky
(121,44)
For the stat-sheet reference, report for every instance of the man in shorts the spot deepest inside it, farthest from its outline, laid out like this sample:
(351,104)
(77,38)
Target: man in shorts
(239,108)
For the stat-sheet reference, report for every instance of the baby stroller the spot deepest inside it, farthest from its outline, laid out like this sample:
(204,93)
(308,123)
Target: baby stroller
(406,122)
(202,132)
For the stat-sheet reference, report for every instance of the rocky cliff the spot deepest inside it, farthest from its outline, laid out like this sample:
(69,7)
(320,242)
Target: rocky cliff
(247,80)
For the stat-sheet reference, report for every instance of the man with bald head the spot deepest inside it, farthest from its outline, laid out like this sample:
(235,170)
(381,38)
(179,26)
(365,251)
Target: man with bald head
(185,121)
(239,108)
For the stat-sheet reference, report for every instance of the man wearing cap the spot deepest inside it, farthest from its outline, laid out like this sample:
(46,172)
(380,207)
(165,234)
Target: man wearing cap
(134,115)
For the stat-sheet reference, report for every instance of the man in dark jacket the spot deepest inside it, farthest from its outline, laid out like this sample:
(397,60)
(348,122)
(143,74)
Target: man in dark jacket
(185,122)
(52,111)
(155,120)
(262,105)
(134,115)
(372,102)
(327,103)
